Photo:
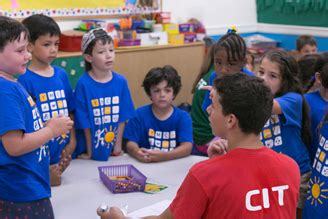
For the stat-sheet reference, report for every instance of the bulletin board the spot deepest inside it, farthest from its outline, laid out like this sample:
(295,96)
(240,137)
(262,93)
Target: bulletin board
(73,8)
(293,12)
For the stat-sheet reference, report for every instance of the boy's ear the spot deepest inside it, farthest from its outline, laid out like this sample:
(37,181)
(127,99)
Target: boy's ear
(88,58)
(232,121)
(317,77)
(30,47)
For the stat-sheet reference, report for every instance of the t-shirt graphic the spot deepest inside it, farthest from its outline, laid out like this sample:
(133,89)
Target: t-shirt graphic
(271,133)
(163,141)
(316,205)
(105,111)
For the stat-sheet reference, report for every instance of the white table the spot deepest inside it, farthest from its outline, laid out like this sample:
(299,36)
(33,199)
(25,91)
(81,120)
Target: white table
(82,191)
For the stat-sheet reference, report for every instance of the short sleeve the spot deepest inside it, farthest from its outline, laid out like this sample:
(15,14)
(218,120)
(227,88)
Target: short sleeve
(126,105)
(190,201)
(11,113)
(82,119)
(185,128)
(132,131)
(291,107)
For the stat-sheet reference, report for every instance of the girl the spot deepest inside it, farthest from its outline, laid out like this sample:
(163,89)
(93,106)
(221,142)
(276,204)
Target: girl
(229,56)
(318,100)
(316,205)
(103,100)
(288,129)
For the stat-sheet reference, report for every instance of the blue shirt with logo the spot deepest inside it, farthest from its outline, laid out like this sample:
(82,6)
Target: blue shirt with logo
(318,108)
(53,96)
(316,206)
(101,107)
(151,133)
(23,178)
(282,132)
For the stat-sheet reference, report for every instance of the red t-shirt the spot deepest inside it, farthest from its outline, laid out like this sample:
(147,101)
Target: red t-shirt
(244,183)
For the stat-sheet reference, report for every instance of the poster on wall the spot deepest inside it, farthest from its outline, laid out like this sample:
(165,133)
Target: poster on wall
(64,8)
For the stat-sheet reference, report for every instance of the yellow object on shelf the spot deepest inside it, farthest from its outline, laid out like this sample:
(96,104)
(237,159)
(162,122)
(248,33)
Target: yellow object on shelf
(171,28)
(176,39)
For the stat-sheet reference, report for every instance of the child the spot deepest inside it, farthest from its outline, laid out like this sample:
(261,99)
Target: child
(316,206)
(288,130)
(237,184)
(229,56)
(103,100)
(24,163)
(160,131)
(318,102)
(306,44)
(250,61)
(50,87)
(200,123)
(306,65)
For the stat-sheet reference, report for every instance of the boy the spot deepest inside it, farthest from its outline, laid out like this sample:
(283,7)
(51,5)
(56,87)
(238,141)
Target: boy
(24,163)
(306,44)
(160,131)
(246,182)
(50,87)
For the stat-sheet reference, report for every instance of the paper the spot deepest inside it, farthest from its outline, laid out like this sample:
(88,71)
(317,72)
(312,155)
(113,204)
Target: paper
(152,188)
(155,209)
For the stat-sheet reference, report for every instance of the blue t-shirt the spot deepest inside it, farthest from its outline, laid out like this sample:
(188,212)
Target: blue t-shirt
(318,108)
(151,133)
(53,96)
(101,107)
(207,101)
(316,205)
(282,132)
(23,178)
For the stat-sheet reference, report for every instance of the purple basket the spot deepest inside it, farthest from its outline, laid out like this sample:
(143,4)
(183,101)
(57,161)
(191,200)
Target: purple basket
(136,182)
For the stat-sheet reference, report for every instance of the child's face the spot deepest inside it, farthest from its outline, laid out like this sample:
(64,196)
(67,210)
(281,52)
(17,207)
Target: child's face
(161,95)
(270,72)
(224,66)
(308,49)
(44,49)
(216,116)
(103,56)
(15,56)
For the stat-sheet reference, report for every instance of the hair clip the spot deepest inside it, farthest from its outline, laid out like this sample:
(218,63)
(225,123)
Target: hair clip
(232,30)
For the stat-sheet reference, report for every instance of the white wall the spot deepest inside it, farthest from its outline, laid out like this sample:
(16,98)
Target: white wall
(216,15)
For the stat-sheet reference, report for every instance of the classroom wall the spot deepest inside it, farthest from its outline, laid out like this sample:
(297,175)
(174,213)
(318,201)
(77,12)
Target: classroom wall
(217,15)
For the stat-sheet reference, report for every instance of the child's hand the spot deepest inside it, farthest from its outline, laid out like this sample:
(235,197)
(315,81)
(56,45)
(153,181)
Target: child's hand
(113,212)
(59,125)
(55,175)
(142,155)
(218,147)
(117,151)
(84,156)
(65,160)
(155,156)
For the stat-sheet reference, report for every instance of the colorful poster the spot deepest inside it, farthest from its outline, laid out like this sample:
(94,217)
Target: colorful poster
(24,8)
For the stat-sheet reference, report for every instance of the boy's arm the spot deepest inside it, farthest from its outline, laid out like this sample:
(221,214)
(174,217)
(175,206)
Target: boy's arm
(17,142)
(135,151)
(88,142)
(118,144)
(181,151)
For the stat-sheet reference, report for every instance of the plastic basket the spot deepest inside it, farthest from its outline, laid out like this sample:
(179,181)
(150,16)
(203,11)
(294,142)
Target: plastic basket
(136,180)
